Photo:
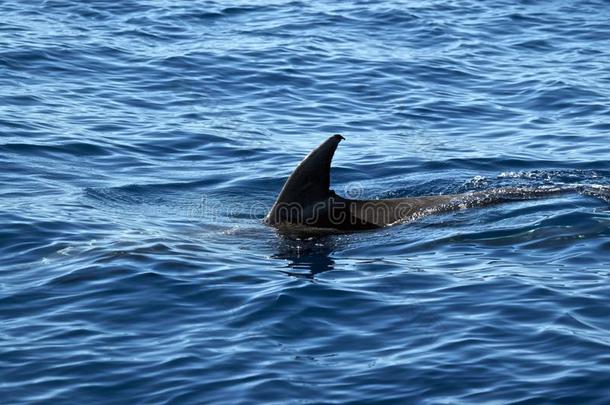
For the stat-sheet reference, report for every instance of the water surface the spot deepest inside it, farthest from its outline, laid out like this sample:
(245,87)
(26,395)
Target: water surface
(142,142)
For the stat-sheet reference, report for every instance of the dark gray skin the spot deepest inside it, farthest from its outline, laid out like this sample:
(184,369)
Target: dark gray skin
(307,204)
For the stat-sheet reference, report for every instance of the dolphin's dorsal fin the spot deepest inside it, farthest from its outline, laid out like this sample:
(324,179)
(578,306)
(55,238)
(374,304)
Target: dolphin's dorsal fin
(310,181)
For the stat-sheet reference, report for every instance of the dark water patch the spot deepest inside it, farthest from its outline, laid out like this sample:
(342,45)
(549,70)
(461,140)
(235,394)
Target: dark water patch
(536,45)
(73,148)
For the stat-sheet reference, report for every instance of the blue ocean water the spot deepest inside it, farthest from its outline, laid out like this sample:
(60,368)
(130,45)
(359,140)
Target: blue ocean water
(142,141)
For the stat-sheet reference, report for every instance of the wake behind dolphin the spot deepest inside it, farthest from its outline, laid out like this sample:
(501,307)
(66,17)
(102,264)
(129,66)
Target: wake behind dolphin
(307,204)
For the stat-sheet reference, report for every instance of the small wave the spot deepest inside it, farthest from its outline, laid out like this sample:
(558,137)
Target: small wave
(68,148)
(144,193)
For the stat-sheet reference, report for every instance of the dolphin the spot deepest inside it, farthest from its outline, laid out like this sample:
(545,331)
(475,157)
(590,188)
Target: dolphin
(307,204)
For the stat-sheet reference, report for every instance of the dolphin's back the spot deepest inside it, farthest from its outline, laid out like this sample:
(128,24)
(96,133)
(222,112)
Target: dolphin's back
(385,212)
(306,201)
